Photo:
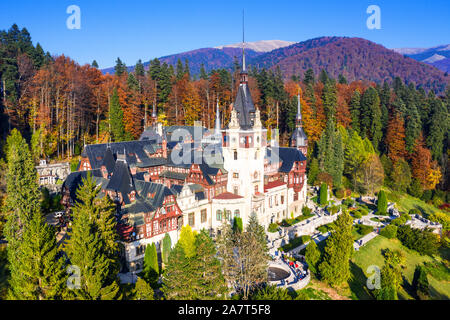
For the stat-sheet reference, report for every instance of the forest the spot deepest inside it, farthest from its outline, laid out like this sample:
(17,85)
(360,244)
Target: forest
(362,134)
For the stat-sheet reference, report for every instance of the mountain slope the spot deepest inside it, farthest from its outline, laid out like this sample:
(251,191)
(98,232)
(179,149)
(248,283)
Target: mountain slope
(355,58)
(260,46)
(212,58)
(438,56)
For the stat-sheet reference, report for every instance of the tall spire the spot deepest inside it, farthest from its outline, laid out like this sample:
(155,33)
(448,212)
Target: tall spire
(299,113)
(244,75)
(243,42)
(217,128)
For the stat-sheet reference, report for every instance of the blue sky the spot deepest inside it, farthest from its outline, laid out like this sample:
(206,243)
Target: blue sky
(134,29)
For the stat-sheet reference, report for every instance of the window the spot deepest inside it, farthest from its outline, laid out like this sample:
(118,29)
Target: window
(203,216)
(236,190)
(228,215)
(191,219)
(219,215)
(236,175)
(235,155)
(256,189)
(282,199)
(236,213)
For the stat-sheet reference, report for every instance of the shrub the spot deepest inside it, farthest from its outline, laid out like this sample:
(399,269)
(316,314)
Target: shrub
(414,211)
(389,231)
(364,212)
(422,241)
(306,211)
(398,221)
(348,202)
(406,216)
(273,227)
(305,239)
(340,193)
(357,214)
(426,196)
(363,229)
(441,218)
(237,224)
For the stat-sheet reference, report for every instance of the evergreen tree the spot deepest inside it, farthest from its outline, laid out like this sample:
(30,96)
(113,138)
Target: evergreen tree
(151,267)
(86,249)
(94,64)
(120,67)
(21,203)
(371,116)
(36,269)
(178,281)
(116,118)
(355,105)
(142,290)
(401,175)
(203,74)
(42,275)
(391,276)
(438,128)
(335,268)
(323,194)
(413,127)
(329,99)
(323,77)
(382,202)
(139,69)
(309,77)
(313,171)
(237,225)
(420,283)
(331,153)
(179,70)
(312,256)
(166,248)
(187,241)
(209,282)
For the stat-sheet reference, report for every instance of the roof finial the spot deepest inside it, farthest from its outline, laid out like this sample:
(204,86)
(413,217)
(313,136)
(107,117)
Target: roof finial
(243,42)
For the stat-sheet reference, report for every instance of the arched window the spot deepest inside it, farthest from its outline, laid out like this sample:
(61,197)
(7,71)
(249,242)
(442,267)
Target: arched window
(219,215)
(228,215)
(235,155)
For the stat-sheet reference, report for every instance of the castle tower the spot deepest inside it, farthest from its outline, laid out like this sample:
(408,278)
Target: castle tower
(244,148)
(299,139)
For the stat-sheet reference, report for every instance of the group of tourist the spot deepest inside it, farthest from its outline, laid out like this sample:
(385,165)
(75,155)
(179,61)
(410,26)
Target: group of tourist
(295,267)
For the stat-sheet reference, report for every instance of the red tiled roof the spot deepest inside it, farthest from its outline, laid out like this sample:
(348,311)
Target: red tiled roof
(227,196)
(273,184)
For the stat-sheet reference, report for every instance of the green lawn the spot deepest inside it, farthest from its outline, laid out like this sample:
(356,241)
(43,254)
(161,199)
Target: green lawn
(406,202)
(371,254)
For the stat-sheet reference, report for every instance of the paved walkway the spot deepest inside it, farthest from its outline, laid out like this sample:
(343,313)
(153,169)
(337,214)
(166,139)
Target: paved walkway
(363,241)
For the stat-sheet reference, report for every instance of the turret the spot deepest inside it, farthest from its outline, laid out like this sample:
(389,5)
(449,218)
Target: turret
(299,139)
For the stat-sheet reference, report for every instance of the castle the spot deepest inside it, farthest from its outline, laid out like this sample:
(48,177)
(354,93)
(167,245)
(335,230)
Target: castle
(188,175)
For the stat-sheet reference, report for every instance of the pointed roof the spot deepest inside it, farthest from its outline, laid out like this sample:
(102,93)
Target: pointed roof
(244,107)
(217,127)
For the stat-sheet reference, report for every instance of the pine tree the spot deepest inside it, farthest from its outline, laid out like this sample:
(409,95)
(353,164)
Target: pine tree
(313,171)
(86,250)
(309,77)
(371,116)
(413,127)
(120,67)
(312,256)
(166,248)
(116,118)
(438,127)
(21,203)
(209,282)
(178,281)
(151,267)
(179,70)
(139,69)
(42,275)
(142,290)
(355,105)
(335,268)
(106,225)
(94,64)
(36,269)
(329,99)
